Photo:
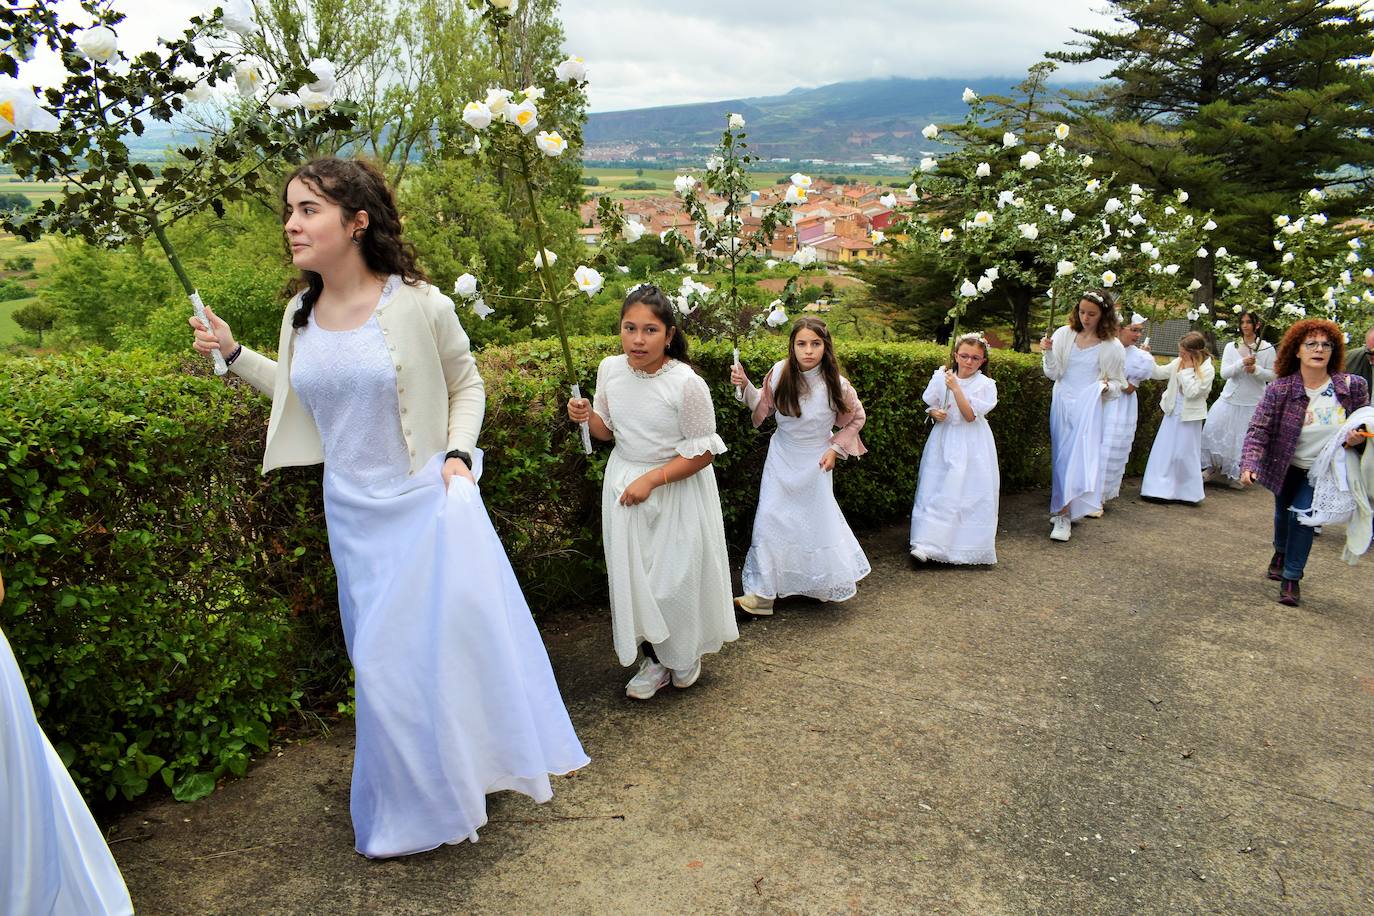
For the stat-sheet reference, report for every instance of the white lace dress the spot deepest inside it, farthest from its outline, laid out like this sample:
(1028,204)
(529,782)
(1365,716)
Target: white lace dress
(1223,435)
(666,559)
(954,519)
(801,544)
(1119,419)
(53,858)
(455,695)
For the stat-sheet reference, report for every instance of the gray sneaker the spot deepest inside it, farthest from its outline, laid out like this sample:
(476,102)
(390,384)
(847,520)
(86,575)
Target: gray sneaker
(1062,528)
(650,678)
(687,677)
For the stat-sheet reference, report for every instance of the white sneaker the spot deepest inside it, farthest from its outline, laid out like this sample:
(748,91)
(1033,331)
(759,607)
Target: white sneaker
(1062,528)
(687,677)
(754,605)
(919,554)
(650,678)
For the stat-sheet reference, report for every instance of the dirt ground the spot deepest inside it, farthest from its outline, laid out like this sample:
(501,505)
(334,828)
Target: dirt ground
(1125,723)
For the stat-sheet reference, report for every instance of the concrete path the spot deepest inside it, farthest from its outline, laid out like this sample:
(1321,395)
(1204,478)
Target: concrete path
(1125,723)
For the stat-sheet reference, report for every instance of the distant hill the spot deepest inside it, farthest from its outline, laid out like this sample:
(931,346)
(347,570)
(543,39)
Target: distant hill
(839,122)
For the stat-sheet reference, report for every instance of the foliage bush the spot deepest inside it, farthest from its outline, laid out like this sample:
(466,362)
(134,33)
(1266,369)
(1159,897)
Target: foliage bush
(169,606)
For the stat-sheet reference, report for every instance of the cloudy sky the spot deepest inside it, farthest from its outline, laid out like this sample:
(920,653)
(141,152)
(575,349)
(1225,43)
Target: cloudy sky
(666,52)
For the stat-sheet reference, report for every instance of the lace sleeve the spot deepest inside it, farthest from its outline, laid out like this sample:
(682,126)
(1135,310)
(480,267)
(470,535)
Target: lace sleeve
(697,420)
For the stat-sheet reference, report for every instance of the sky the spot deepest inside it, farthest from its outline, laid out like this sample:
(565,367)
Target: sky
(670,52)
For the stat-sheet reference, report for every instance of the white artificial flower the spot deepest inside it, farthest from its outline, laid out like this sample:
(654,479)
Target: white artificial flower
(736,121)
(572,70)
(247,78)
(284,101)
(1093,185)
(1316,194)
(497,99)
(97,43)
(1108,279)
(480,306)
(1169,211)
(1010,139)
(633,230)
(1287,257)
(929,164)
(1029,231)
(1064,268)
(1209,225)
(1112,205)
(967,289)
(1278,244)
(533,93)
(1281,220)
(930,131)
(804,257)
(1136,220)
(1066,215)
(524,116)
(200,92)
(1194,286)
(325,76)
(465,286)
(983,170)
(238,17)
(1319,218)
(588,280)
(1085,160)
(795,195)
(1219,323)
(877,237)
(982,219)
(1112,255)
(684,183)
(993,273)
(540,257)
(314,101)
(1202,252)
(550,143)
(1171,269)
(777,317)
(912,191)
(888,200)
(1234,280)
(1061,131)
(713,163)
(1221,252)
(984,284)
(800,180)
(969,96)
(1030,159)
(1182,196)
(476,115)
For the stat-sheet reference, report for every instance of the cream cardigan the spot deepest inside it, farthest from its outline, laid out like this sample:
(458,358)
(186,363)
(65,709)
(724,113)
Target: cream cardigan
(437,384)
(1196,385)
(1111,361)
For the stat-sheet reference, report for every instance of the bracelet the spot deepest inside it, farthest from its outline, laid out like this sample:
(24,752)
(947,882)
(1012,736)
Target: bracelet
(238,351)
(664,469)
(461,456)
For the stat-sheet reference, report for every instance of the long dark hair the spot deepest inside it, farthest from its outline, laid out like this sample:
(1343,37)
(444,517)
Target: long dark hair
(792,383)
(355,186)
(1287,361)
(1105,300)
(657,301)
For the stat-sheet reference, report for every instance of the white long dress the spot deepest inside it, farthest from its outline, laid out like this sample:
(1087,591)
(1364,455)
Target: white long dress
(53,858)
(1223,435)
(1119,419)
(801,544)
(1076,434)
(954,519)
(1174,471)
(455,695)
(666,558)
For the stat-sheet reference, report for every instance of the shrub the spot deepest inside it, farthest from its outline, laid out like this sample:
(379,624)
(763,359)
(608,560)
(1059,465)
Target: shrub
(20,263)
(639,185)
(11,290)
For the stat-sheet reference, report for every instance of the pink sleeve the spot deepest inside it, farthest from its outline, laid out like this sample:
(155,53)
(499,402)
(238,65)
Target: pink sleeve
(764,408)
(850,420)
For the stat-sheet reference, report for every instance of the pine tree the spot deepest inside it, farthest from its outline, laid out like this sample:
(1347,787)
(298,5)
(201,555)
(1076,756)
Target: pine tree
(1245,104)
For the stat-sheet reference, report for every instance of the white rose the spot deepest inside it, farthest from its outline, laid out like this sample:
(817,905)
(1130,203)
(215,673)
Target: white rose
(465,286)
(572,70)
(993,273)
(314,101)
(1316,194)
(1029,231)
(1203,310)
(97,43)
(1085,160)
(1010,139)
(200,92)
(1278,244)
(800,180)
(550,143)
(804,257)
(1287,257)
(545,255)
(777,317)
(969,96)
(284,101)
(633,230)
(983,170)
(1171,269)
(1182,196)
(930,131)
(877,237)
(684,183)
(324,73)
(1221,252)
(1169,211)
(1234,280)
(888,200)
(947,234)
(1252,265)
(588,280)
(1064,268)
(713,163)
(480,306)
(1093,185)
(928,164)
(1030,159)
(1202,252)
(967,289)
(1281,220)
(984,284)
(533,93)
(524,116)
(795,195)
(476,115)
(1136,220)
(1051,209)
(497,100)
(1005,198)
(1108,279)
(982,218)
(238,17)
(1319,219)
(1061,131)
(1066,215)
(912,191)
(1209,225)
(247,78)
(1194,286)
(1219,324)
(736,121)
(1112,205)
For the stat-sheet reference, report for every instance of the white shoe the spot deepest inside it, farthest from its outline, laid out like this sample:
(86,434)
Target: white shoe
(1062,528)
(650,678)
(754,605)
(920,554)
(687,677)
(1097,514)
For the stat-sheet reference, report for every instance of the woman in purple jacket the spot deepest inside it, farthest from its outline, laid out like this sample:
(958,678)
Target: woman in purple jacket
(1301,410)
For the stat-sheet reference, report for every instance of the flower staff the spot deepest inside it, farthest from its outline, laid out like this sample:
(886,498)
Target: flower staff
(78,139)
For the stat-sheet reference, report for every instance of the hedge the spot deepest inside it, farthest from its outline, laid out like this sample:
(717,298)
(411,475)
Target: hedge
(170,606)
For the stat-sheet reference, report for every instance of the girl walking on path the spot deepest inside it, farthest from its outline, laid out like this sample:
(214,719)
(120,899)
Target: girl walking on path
(373,376)
(1174,471)
(1121,415)
(1247,365)
(1087,365)
(802,544)
(1300,412)
(54,859)
(660,510)
(954,519)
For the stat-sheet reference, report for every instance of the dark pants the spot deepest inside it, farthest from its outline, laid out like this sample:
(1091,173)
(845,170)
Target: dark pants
(1292,539)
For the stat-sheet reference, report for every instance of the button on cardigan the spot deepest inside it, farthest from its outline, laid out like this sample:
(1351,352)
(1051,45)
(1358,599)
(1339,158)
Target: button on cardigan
(441,395)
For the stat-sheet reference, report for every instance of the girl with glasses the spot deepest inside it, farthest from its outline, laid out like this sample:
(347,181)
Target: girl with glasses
(954,519)
(1300,412)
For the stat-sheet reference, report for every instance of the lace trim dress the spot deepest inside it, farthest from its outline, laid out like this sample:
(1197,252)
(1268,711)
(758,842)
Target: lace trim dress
(1223,435)
(455,695)
(1076,433)
(665,558)
(1120,417)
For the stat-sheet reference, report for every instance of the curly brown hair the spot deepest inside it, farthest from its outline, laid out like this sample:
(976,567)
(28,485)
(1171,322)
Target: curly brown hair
(1287,361)
(356,185)
(1105,300)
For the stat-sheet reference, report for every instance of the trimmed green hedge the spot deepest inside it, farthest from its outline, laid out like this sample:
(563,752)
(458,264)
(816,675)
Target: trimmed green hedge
(169,605)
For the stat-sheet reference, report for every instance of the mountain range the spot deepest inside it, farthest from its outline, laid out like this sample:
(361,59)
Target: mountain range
(839,122)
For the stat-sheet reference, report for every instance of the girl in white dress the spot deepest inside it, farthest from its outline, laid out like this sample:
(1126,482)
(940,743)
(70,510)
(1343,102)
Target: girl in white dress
(954,519)
(1120,415)
(802,544)
(373,376)
(1174,471)
(1247,365)
(1087,365)
(660,510)
(53,858)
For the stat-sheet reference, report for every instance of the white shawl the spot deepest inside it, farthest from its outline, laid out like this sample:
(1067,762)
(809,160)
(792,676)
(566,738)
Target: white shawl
(1343,488)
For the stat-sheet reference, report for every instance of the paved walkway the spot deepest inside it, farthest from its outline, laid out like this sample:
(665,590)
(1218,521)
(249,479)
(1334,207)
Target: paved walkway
(1125,723)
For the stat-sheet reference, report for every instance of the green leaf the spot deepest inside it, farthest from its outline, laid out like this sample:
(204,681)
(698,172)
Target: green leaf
(194,787)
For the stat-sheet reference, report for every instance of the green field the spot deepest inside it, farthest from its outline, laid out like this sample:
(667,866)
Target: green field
(612,178)
(43,258)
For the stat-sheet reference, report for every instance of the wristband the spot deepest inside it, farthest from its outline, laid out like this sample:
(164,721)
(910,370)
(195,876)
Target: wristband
(229,360)
(461,456)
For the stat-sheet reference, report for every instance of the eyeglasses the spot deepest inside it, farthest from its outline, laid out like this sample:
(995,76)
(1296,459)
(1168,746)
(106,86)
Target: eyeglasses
(969,357)
(1317,344)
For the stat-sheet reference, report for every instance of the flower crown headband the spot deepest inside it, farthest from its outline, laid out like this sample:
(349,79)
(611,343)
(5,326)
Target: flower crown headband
(971,336)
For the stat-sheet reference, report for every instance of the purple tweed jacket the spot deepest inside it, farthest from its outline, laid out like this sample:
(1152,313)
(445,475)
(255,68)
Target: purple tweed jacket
(1273,435)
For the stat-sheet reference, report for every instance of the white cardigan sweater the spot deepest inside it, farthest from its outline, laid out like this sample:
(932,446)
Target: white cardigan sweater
(437,384)
(1111,360)
(1196,385)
